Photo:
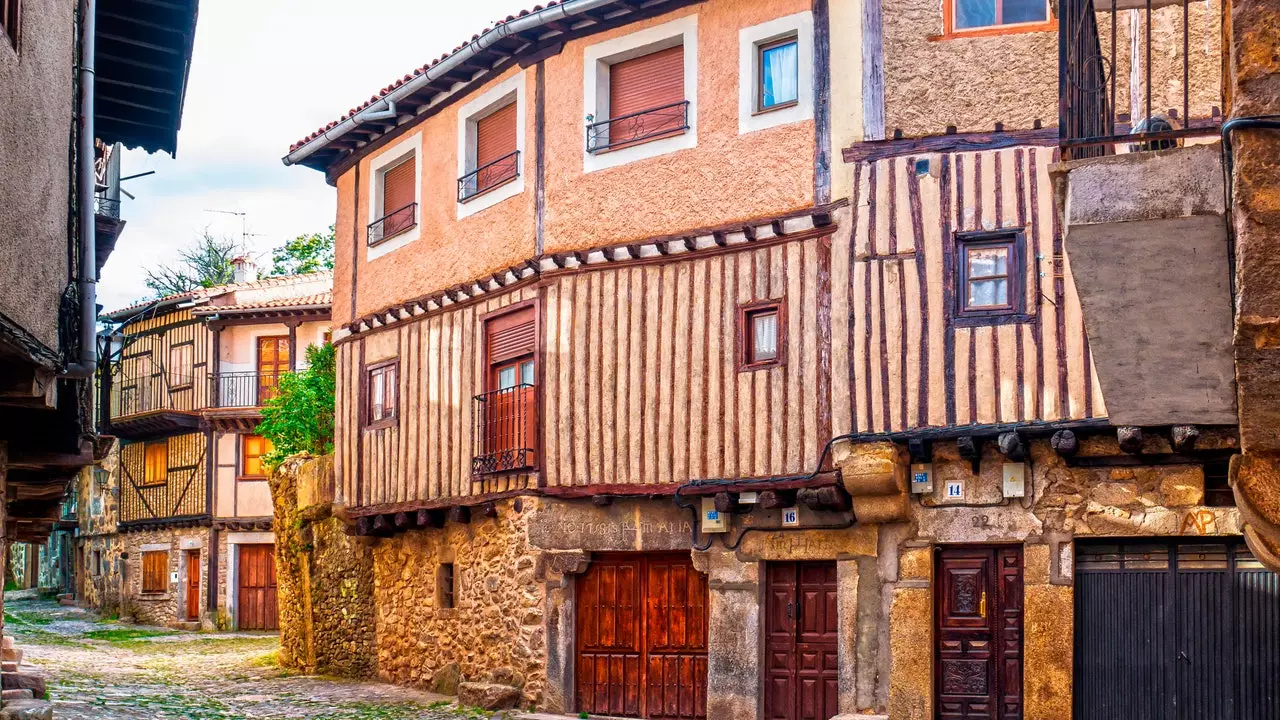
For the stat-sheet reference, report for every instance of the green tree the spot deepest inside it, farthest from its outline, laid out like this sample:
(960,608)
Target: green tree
(304,254)
(300,417)
(204,263)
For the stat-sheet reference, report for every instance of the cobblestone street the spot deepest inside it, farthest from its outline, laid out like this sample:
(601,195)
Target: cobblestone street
(99,670)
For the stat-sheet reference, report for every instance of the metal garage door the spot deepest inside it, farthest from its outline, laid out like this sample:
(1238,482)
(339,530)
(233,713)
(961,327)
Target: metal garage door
(1175,631)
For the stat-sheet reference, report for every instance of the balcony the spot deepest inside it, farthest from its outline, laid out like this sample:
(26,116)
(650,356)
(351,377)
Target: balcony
(237,398)
(637,127)
(506,430)
(1137,75)
(489,176)
(148,405)
(393,223)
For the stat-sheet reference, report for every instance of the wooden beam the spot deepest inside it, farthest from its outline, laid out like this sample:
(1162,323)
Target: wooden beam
(1012,446)
(970,448)
(1130,438)
(727,503)
(460,514)
(777,499)
(1183,437)
(1064,443)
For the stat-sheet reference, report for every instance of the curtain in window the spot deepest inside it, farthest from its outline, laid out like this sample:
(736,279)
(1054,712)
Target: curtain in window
(765,340)
(780,74)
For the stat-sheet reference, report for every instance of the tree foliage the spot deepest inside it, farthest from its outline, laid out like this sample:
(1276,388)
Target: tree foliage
(204,263)
(304,254)
(300,417)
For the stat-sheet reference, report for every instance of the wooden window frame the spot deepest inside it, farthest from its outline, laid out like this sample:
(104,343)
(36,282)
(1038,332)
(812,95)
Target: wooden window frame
(447,586)
(394,417)
(146,450)
(761,47)
(241,475)
(1016,310)
(949,29)
(164,576)
(746,312)
(11,22)
(191,379)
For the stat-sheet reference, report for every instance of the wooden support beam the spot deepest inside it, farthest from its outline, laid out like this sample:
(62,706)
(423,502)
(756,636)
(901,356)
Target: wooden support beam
(1183,437)
(920,450)
(777,228)
(381,525)
(727,503)
(489,509)
(721,238)
(602,500)
(1130,438)
(460,514)
(401,520)
(970,448)
(1064,443)
(809,498)
(835,498)
(1012,446)
(748,231)
(690,244)
(777,499)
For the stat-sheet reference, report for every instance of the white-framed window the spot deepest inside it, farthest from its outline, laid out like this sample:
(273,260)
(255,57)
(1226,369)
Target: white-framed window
(395,197)
(775,72)
(491,146)
(640,94)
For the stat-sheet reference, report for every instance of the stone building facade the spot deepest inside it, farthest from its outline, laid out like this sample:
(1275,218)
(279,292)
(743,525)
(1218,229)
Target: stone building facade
(853,432)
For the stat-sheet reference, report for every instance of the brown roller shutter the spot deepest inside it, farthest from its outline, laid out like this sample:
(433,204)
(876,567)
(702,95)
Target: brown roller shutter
(496,135)
(511,335)
(397,187)
(646,82)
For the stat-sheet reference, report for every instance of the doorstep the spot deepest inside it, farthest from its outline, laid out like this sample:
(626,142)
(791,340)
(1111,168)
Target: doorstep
(554,716)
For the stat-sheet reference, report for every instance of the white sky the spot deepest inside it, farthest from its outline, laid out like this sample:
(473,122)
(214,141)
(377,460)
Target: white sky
(264,74)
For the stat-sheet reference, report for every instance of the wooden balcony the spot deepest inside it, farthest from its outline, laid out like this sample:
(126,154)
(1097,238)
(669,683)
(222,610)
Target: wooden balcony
(236,399)
(155,404)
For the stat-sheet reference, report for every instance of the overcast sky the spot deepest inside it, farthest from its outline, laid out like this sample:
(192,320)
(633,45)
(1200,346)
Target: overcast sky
(264,74)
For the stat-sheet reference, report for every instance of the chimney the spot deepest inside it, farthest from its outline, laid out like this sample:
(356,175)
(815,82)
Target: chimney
(243,270)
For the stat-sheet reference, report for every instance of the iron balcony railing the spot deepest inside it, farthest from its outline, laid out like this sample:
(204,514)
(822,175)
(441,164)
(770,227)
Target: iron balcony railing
(1138,73)
(154,392)
(489,176)
(636,127)
(249,389)
(104,206)
(393,223)
(506,426)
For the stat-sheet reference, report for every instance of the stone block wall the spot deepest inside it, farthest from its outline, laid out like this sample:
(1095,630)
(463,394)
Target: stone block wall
(161,608)
(497,618)
(100,591)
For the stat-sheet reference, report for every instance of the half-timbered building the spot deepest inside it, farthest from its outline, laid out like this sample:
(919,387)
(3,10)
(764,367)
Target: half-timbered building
(190,375)
(728,360)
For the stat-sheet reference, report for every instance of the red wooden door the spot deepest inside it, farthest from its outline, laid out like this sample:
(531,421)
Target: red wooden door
(642,637)
(979,633)
(193,584)
(256,603)
(801,641)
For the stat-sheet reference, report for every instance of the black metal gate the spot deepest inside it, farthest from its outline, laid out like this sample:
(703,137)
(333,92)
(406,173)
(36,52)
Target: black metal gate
(1175,630)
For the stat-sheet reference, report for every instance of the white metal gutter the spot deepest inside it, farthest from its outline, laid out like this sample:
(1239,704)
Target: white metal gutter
(378,110)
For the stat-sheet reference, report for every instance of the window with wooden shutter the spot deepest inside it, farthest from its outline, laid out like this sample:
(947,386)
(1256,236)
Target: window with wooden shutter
(253,448)
(646,98)
(495,153)
(181,366)
(156,470)
(155,571)
(399,200)
(507,413)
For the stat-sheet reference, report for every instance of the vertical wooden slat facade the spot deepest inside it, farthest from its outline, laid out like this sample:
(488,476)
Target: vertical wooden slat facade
(183,494)
(908,363)
(142,381)
(638,374)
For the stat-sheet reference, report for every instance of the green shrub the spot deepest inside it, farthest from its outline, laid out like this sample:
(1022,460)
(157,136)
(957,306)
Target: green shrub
(299,419)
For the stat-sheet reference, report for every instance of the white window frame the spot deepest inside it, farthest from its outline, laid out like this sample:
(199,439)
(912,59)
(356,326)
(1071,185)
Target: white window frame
(750,117)
(469,117)
(595,87)
(410,147)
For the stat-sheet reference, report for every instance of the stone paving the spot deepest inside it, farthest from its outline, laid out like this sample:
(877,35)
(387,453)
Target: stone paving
(103,670)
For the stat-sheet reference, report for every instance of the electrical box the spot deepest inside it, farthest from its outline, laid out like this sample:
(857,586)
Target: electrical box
(713,521)
(1015,476)
(748,498)
(921,477)
(790,516)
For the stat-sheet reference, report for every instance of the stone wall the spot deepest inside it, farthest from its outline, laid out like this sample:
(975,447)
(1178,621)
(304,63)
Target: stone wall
(324,577)
(163,608)
(100,590)
(496,622)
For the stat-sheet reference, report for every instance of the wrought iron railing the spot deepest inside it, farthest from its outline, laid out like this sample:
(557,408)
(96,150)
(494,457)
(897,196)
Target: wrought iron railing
(104,206)
(393,223)
(489,176)
(243,389)
(1141,73)
(153,392)
(506,427)
(636,127)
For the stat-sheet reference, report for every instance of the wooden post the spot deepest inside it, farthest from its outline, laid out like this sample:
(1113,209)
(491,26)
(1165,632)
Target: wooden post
(293,346)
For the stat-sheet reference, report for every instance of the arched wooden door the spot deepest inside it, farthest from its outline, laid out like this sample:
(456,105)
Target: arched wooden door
(642,637)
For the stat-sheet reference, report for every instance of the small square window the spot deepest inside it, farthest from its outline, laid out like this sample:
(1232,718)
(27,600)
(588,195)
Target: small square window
(976,14)
(446,586)
(778,73)
(761,328)
(989,278)
(253,448)
(381,396)
(156,465)
(155,571)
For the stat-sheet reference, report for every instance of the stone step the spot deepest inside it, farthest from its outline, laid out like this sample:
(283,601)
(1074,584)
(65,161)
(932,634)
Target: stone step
(11,655)
(24,681)
(8,667)
(193,625)
(7,642)
(24,709)
(17,694)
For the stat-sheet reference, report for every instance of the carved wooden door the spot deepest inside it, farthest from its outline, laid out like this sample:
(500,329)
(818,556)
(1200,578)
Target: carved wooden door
(801,641)
(979,633)
(642,637)
(256,601)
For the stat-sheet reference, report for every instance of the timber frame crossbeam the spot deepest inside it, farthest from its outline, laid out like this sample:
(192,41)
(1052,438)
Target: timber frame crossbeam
(816,221)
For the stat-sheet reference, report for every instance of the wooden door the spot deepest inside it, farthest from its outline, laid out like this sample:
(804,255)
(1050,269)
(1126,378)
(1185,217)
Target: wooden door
(273,361)
(978,656)
(193,584)
(801,641)
(256,603)
(642,637)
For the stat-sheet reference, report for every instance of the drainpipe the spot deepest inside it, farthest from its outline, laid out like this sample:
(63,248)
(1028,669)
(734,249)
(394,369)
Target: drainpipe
(88,275)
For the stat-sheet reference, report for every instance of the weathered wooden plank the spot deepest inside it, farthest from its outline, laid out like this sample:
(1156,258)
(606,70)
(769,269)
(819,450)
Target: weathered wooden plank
(636,440)
(730,376)
(594,407)
(775,407)
(618,358)
(861,363)
(680,420)
(652,323)
(809,328)
(841,314)
(875,348)
(579,334)
(697,420)
(717,349)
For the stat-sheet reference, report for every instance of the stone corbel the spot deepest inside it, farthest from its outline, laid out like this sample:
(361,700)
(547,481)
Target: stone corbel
(554,565)
(875,475)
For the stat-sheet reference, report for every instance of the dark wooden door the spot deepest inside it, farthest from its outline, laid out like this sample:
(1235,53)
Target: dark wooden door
(193,584)
(642,637)
(979,633)
(256,604)
(801,641)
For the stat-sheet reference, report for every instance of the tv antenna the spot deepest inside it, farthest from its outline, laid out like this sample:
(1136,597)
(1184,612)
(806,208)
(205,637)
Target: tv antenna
(244,224)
